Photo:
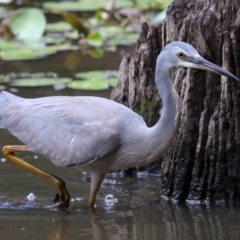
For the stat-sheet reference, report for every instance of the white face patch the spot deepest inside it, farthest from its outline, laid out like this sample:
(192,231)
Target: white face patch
(177,50)
(183,62)
(189,64)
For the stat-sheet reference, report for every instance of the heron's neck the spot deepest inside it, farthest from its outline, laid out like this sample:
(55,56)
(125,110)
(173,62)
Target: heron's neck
(166,128)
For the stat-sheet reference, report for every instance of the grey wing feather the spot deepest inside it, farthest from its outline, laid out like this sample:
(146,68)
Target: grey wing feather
(68,131)
(65,145)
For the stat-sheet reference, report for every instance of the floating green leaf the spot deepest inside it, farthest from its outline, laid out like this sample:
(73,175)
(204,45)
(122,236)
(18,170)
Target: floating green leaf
(25,54)
(124,38)
(58,27)
(94,80)
(129,38)
(6,78)
(94,39)
(38,82)
(150,4)
(54,40)
(112,36)
(83,5)
(62,6)
(166,3)
(26,23)
(6,44)
(159,17)
(110,31)
(72,35)
(93,84)
(31,53)
(97,75)
(96,53)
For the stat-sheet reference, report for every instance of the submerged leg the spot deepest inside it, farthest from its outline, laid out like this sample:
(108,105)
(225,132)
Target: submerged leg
(96,182)
(62,196)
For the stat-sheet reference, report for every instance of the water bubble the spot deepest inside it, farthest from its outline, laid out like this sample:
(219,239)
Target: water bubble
(3,160)
(31,197)
(110,200)
(110,181)
(77,199)
(143,174)
(58,87)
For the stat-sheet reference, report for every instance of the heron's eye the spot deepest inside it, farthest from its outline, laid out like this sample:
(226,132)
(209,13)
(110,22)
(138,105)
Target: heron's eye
(181,55)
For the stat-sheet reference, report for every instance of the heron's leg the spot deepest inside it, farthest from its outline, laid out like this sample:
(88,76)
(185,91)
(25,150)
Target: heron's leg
(62,197)
(96,182)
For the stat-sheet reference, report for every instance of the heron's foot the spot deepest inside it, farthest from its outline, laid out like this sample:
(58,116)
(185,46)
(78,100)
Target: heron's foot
(63,203)
(62,197)
(91,209)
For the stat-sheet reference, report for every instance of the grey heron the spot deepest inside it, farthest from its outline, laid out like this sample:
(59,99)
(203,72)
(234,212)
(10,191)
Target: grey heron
(95,134)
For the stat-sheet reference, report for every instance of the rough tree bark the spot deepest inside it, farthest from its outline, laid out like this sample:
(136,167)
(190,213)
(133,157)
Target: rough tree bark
(204,160)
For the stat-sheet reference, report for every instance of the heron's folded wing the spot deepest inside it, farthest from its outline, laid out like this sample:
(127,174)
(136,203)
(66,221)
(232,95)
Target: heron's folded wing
(66,144)
(66,130)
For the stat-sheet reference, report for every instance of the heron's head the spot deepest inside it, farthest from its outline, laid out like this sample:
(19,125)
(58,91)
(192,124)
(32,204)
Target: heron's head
(183,54)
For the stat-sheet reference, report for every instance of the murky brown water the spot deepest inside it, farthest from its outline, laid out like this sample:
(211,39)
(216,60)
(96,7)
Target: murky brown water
(127,207)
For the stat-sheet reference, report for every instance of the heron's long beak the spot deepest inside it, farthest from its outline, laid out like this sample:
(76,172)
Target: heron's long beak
(202,63)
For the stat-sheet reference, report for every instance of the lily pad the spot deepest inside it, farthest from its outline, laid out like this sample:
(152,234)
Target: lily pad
(159,17)
(38,82)
(112,36)
(58,27)
(83,5)
(26,23)
(86,5)
(94,80)
(123,39)
(94,39)
(166,3)
(97,75)
(93,84)
(32,53)
(110,31)
(56,40)
(6,78)
(152,4)
(6,44)
(96,53)
(25,54)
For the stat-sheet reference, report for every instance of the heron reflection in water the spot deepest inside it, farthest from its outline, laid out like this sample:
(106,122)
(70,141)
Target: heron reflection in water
(95,134)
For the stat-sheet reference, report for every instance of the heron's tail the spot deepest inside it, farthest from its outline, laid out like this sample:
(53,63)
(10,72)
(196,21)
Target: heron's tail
(6,100)
(3,103)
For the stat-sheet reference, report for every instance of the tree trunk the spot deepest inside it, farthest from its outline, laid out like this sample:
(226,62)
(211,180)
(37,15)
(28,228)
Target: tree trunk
(204,160)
